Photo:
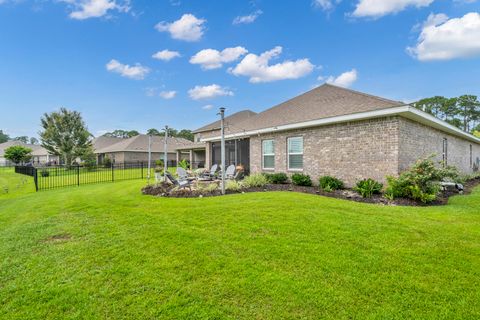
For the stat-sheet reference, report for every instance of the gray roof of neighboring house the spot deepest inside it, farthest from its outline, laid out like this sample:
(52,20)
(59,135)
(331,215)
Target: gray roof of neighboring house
(140,144)
(322,102)
(103,142)
(37,150)
(230,120)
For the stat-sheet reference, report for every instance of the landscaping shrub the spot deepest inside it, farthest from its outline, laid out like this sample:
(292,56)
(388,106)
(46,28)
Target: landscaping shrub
(233,185)
(368,187)
(421,181)
(277,178)
(328,183)
(255,181)
(107,162)
(211,187)
(184,164)
(300,179)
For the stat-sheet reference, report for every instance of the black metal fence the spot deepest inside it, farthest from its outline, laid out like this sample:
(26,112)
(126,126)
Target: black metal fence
(52,177)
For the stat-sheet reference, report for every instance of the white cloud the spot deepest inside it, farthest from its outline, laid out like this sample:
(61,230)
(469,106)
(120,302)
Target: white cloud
(150,92)
(85,9)
(208,107)
(208,92)
(380,8)
(326,5)
(258,68)
(248,18)
(345,80)
(168,94)
(187,28)
(136,72)
(444,39)
(166,55)
(212,59)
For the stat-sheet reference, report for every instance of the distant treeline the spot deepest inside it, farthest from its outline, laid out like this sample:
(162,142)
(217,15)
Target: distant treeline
(5,137)
(184,133)
(462,112)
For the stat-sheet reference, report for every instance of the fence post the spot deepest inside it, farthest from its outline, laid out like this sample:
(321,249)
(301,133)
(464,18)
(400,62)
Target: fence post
(35,179)
(113,176)
(78,175)
(142,169)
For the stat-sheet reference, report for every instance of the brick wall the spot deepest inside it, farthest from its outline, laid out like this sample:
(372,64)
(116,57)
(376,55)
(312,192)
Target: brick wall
(418,141)
(349,151)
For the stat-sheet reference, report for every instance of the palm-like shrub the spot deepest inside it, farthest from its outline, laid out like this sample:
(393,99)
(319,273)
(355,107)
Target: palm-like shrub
(257,180)
(328,183)
(368,187)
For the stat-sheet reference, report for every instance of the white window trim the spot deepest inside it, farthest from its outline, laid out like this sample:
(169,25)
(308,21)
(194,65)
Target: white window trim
(269,154)
(294,153)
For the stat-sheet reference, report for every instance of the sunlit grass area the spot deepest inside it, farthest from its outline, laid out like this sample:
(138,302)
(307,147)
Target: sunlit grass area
(106,251)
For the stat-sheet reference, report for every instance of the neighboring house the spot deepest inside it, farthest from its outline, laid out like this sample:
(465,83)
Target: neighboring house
(39,154)
(340,132)
(135,149)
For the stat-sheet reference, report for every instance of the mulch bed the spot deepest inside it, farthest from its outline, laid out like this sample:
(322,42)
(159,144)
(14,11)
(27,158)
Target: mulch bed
(166,190)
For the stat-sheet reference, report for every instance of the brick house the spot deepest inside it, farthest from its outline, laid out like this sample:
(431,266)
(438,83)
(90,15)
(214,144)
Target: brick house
(335,131)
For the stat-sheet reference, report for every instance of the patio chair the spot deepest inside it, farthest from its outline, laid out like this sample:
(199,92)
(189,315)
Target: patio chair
(181,183)
(183,174)
(230,172)
(210,175)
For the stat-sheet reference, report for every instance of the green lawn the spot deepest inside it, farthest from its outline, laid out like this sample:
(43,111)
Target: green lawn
(105,251)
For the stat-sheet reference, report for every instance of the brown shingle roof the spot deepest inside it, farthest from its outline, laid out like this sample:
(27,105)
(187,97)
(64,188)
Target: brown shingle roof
(37,150)
(322,102)
(103,142)
(140,144)
(232,119)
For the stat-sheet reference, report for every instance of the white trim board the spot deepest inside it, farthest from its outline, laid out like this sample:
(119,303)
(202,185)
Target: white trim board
(406,111)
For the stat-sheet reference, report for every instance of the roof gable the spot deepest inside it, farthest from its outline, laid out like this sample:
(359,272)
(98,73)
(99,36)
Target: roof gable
(322,102)
(234,118)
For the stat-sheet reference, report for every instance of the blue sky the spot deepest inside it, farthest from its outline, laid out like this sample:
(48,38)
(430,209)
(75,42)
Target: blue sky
(96,56)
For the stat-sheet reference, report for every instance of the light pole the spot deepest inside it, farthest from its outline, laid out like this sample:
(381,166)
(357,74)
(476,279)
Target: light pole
(165,155)
(222,145)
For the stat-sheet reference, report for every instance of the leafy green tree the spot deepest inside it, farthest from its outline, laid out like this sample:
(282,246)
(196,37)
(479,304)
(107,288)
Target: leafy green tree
(89,159)
(33,140)
(185,134)
(4,137)
(122,134)
(154,132)
(23,139)
(469,110)
(172,132)
(65,134)
(18,154)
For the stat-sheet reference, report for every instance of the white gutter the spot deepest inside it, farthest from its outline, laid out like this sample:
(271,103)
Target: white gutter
(406,111)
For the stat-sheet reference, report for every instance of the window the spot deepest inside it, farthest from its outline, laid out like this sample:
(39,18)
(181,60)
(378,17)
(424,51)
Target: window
(295,153)
(471,156)
(268,153)
(445,152)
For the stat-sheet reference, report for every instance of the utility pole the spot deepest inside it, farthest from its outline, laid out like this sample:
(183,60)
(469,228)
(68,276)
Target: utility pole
(222,145)
(149,156)
(165,155)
